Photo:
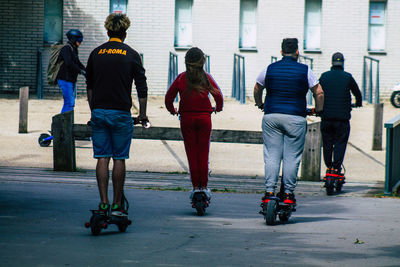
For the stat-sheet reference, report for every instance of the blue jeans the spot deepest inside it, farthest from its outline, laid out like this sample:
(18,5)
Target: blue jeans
(111,133)
(284,137)
(67,89)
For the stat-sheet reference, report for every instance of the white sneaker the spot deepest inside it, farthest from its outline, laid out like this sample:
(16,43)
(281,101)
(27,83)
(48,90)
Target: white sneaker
(192,193)
(207,191)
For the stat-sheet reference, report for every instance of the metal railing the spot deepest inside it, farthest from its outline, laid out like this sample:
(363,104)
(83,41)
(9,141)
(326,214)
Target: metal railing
(307,60)
(172,70)
(39,75)
(238,80)
(392,170)
(310,62)
(368,94)
(207,64)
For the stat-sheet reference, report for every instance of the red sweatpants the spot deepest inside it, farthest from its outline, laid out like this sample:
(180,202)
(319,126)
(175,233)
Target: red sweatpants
(196,132)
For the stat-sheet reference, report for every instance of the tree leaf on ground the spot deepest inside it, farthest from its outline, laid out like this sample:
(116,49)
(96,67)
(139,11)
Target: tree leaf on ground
(358,241)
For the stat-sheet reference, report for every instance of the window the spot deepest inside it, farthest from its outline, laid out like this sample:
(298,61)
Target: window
(118,6)
(183,23)
(248,24)
(312,25)
(53,17)
(376,26)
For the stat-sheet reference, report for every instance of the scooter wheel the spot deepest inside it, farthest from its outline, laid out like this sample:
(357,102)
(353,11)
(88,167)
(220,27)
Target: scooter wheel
(283,217)
(329,185)
(200,203)
(96,224)
(270,217)
(122,227)
(339,187)
(395,99)
(41,141)
(200,208)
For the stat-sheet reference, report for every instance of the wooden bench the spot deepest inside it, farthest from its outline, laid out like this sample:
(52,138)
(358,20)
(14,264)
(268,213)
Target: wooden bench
(65,132)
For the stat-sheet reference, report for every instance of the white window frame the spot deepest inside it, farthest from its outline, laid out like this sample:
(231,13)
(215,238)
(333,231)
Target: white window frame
(312,25)
(118,6)
(248,25)
(377,26)
(53,22)
(183,24)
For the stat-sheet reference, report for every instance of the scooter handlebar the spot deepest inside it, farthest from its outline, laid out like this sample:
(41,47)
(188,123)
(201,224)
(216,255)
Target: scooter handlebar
(144,122)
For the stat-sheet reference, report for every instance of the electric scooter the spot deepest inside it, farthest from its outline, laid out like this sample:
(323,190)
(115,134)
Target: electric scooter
(275,207)
(200,202)
(334,182)
(100,221)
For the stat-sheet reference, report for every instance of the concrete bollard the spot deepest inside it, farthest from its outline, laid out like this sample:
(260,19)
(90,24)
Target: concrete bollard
(311,159)
(23,109)
(63,142)
(378,127)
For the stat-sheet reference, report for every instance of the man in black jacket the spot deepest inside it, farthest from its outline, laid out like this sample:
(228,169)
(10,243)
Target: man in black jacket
(111,69)
(335,125)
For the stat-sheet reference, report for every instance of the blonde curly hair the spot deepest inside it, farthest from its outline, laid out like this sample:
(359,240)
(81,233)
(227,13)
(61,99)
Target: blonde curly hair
(117,23)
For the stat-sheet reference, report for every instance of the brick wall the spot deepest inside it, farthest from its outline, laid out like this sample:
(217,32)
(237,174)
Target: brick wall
(21,35)
(215,30)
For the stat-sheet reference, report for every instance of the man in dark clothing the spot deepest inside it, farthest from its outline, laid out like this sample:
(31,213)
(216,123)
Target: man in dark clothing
(69,70)
(111,69)
(335,124)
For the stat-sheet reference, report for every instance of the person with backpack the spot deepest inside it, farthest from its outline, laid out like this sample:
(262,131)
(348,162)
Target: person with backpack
(194,86)
(70,68)
(111,69)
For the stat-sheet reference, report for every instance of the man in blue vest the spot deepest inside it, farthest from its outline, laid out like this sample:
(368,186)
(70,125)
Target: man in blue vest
(284,124)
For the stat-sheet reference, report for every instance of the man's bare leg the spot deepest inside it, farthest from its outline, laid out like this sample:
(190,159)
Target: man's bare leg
(118,178)
(102,178)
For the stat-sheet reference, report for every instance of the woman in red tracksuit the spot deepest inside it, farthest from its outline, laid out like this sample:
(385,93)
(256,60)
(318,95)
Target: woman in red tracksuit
(194,87)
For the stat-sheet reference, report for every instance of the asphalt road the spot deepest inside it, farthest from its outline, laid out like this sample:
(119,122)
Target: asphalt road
(42,224)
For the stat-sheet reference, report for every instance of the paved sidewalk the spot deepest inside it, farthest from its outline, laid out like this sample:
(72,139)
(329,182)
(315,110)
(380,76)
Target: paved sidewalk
(42,225)
(22,150)
(179,182)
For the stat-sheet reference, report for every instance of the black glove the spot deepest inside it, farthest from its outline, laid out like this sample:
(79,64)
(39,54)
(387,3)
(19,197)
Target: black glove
(313,112)
(310,111)
(261,106)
